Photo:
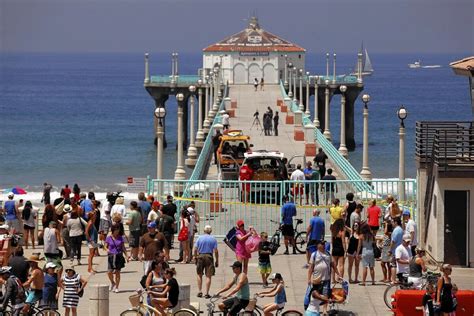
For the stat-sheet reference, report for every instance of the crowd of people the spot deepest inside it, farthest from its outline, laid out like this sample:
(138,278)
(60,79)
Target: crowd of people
(74,220)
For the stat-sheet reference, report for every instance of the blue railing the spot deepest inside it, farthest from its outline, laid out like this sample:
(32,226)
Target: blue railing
(343,165)
(181,79)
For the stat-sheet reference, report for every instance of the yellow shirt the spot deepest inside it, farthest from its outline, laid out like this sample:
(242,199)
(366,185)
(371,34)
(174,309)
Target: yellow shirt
(336,213)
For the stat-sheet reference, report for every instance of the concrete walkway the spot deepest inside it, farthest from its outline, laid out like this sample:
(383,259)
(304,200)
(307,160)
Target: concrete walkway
(366,300)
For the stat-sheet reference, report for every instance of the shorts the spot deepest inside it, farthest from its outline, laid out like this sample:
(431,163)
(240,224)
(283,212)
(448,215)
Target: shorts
(48,304)
(92,245)
(309,313)
(134,238)
(234,305)
(26,227)
(169,240)
(115,262)
(376,228)
(104,226)
(311,245)
(323,288)
(265,267)
(287,230)
(205,263)
(34,296)
(393,263)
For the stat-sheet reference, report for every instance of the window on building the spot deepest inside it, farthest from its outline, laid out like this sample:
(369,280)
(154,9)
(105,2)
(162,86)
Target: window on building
(299,56)
(435,205)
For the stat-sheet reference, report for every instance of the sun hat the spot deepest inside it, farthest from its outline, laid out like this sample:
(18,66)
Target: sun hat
(240,223)
(11,194)
(50,265)
(275,276)
(34,258)
(237,264)
(406,237)
(151,225)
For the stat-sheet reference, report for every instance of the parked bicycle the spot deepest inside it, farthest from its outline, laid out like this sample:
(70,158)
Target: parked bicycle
(427,278)
(300,238)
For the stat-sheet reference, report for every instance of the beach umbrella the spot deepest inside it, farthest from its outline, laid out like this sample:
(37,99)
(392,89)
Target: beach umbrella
(16,190)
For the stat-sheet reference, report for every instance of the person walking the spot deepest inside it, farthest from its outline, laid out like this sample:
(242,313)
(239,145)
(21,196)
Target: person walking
(353,253)
(366,244)
(386,255)
(65,231)
(144,208)
(165,225)
(193,222)
(262,82)
(297,177)
(288,211)
(336,212)
(206,257)
(76,226)
(403,257)
(411,229)
(71,283)
(50,290)
(349,207)
(216,140)
(28,215)
(444,295)
(320,161)
(117,254)
(225,121)
(314,233)
(396,240)
(330,186)
(134,226)
(241,252)
(276,121)
(184,242)
(308,185)
(338,247)
(92,237)
(255,83)
(18,264)
(151,243)
(234,304)
(264,264)
(373,216)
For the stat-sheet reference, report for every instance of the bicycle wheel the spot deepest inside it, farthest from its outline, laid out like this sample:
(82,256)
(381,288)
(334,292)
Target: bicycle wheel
(300,242)
(184,312)
(275,244)
(389,291)
(256,312)
(48,312)
(132,312)
(292,312)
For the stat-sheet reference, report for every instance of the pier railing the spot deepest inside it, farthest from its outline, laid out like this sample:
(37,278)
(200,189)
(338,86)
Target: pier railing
(220,203)
(181,79)
(343,166)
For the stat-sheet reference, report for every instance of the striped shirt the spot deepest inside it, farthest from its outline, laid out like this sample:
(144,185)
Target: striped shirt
(71,285)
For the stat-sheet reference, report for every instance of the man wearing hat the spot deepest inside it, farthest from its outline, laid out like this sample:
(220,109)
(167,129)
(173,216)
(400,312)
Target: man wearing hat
(410,229)
(234,304)
(154,212)
(151,243)
(12,214)
(403,256)
(207,259)
(35,282)
(14,292)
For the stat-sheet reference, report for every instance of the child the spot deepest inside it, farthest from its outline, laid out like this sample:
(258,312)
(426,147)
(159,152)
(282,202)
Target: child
(386,255)
(171,289)
(428,307)
(264,265)
(278,291)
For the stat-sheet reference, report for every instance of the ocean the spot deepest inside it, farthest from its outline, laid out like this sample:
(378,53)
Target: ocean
(86,118)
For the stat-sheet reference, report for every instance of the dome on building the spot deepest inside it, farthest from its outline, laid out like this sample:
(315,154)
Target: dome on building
(253,39)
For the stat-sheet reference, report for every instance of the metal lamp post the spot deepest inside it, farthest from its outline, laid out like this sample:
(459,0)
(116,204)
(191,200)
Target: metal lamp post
(402,115)
(342,147)
(295,74)
(206,123)
(327,132)
(192,150)
(365,173)
(200,133)
(160,113)
(316,101)
(147,71)
(180,173)
(215,106)
(301,91)
(290,66)
(286,72)
(334,69)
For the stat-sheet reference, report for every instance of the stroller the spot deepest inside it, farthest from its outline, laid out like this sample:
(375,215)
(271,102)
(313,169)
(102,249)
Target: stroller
(339,296)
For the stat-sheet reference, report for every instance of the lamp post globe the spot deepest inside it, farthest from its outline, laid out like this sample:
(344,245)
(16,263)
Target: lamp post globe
(160,113)
(343,88)
(192,89)
(402,114)
(366,98)
(180,97)
(199,82)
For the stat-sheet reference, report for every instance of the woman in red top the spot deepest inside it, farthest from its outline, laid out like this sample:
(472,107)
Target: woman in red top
(373,216)
(246,173)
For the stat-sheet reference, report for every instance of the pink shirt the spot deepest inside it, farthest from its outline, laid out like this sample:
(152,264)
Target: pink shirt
(373,214)
(240,250)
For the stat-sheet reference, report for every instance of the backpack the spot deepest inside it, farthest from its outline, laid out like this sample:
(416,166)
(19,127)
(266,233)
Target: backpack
(25,214)
(20,291)
(231,238)
(395,210)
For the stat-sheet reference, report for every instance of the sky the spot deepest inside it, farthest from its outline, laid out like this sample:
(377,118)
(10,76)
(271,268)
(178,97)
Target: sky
(385,26)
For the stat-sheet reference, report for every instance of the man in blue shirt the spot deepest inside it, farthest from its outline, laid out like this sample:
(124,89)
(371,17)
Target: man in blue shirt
(12,215)
(288,211)
(397,237)
(204,249)
(314,233)
(87,205)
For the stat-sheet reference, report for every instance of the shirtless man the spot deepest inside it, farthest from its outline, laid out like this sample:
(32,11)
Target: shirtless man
(35,282)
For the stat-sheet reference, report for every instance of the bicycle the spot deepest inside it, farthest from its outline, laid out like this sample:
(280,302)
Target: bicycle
(34,310)
(253,309)
(300,238)
(427,278)
(143,309)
